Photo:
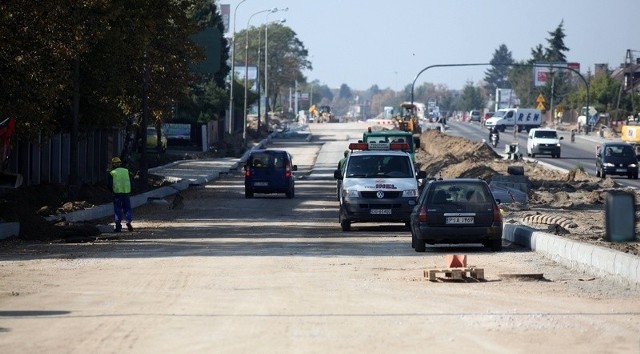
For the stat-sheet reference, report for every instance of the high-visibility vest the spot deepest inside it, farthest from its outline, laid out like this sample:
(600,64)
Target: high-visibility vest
(121,181)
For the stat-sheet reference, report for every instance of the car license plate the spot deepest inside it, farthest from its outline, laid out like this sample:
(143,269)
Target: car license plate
(261,184)
(621,170)
(459,220)
(380,211)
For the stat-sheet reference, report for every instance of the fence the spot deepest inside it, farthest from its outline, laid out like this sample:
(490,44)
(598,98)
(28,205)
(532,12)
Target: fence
(48,159)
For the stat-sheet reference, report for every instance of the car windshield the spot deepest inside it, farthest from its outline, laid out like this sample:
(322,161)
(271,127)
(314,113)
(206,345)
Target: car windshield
(445,193)
(546,134)
(619,151)
(373,166)
(499,114)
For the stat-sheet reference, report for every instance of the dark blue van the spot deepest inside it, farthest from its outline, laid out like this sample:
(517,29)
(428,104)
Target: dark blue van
(269,171)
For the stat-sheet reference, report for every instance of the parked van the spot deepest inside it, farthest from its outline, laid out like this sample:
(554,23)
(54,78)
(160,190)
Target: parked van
(543,141)
(524,118)
(379,184)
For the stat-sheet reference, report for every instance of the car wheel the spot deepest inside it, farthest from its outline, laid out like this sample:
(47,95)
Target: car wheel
(603,174)
(345,225)
(291,193)
(597,172)
(635,175)
(248,193)
(533,155)
(413,240)
(496,245)
(421,245)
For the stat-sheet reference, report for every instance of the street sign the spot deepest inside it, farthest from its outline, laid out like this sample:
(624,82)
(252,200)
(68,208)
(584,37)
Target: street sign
(540,106)
(540,99)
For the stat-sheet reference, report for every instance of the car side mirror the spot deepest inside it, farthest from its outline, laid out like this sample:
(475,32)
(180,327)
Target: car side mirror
(337,174)
(421,175)
(562,137)
(294,168)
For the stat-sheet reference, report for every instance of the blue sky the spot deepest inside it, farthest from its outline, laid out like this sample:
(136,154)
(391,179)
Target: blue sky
(367,42)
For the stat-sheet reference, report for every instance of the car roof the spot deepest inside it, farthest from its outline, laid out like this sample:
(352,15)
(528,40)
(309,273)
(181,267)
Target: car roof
(379,153)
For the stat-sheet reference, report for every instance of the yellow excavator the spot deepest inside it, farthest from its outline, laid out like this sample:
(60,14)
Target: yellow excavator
(408,121)
(7,130)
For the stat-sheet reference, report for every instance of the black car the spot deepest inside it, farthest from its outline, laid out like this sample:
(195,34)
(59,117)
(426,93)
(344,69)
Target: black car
(616,159)
(269,171)
(452,211)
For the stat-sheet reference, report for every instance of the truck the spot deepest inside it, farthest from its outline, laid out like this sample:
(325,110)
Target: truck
(391,136)
(523,118)
(631,135)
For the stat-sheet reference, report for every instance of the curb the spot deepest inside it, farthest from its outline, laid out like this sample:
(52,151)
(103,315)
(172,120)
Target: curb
(591,259)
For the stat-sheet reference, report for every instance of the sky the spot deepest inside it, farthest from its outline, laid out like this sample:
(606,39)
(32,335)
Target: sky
(387,43)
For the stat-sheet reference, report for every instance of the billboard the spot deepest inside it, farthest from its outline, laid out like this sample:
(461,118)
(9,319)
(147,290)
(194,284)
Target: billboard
(542,72)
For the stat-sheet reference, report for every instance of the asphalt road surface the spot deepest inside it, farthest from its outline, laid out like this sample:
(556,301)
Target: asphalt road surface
(226,274)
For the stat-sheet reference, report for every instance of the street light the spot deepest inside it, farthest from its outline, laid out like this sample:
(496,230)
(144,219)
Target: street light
(246,71)
(266,69)
(233,68)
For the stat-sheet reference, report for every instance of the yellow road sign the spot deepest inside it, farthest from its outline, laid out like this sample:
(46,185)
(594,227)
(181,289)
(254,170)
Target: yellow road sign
(540,100)
(540,106)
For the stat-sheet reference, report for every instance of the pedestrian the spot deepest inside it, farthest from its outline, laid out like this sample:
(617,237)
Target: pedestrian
(119,181)
(515,131)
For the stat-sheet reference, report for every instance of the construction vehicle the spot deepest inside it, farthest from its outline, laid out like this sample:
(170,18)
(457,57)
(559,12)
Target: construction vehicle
(409,121)
(7,130)
(631,135)
(325,115)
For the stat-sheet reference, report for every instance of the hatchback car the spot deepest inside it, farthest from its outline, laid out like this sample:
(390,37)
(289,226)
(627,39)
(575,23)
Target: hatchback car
(453,211)
(269,171)
(616,159)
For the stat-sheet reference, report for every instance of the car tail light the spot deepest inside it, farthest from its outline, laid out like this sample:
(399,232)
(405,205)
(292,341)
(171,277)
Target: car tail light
(497,215)
(247,172)
(422,217)
(287,171)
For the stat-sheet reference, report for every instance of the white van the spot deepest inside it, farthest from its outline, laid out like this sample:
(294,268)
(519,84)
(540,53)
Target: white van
(524,118)
(379,184)
(543,141)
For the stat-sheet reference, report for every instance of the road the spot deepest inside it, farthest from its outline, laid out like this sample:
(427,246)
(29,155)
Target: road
(227,274)
(580,153)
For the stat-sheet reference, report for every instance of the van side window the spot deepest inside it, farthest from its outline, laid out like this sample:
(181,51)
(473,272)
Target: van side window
(278,161)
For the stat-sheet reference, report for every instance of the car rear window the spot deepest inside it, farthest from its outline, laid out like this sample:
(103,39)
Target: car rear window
(264,159)
(444,193)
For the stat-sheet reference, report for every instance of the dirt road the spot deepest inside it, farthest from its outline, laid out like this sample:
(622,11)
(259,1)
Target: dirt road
(270,274)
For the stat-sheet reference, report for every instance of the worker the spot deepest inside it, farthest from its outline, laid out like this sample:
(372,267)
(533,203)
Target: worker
(119,181)
(342,162)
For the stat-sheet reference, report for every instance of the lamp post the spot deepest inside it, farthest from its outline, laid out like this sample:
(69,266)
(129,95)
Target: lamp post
(246,72)
(233,69)
(266,69)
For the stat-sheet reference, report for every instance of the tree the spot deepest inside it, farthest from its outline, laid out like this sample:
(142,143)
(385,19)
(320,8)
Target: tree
(471,98)
(554,53)
(345,92)
(287,57)
(498,75)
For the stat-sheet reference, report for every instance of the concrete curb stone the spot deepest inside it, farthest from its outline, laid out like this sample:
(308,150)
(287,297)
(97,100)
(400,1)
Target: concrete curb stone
(592,259)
